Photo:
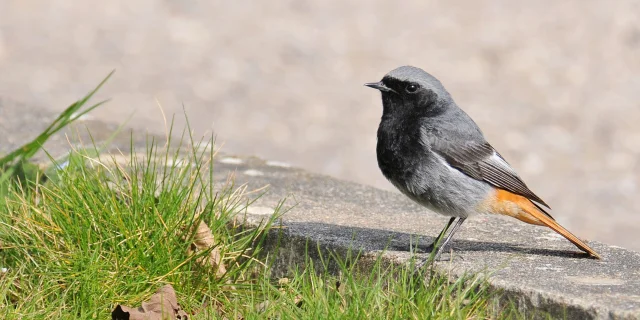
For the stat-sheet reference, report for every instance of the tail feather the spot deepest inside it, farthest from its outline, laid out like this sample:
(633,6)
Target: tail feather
(528,212)
(562,231)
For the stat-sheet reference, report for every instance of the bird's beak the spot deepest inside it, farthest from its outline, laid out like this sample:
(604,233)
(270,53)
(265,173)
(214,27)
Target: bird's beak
(380,86)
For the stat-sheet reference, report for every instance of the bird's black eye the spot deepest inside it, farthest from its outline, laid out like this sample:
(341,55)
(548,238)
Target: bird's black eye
(411,88)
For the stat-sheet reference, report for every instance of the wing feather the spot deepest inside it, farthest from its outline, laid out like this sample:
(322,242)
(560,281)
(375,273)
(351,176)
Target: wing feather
(482,162)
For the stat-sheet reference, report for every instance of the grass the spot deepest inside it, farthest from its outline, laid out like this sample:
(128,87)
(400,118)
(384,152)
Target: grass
(93,231)
(384,292)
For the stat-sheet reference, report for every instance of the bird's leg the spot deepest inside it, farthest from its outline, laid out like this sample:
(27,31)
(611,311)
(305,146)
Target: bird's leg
(453,231)
(435,242)
(434,245)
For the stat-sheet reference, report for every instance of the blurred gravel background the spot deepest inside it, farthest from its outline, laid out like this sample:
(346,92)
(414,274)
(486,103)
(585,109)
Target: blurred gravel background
(554,85)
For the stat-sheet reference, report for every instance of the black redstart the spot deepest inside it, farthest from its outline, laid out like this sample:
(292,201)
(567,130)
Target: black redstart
(435,154)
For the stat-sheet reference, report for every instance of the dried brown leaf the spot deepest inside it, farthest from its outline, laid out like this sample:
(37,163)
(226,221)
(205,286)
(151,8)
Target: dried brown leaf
(204,240)
(163,305)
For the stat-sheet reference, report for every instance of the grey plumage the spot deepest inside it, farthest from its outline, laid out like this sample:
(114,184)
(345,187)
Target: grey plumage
(421,77)
(434,153)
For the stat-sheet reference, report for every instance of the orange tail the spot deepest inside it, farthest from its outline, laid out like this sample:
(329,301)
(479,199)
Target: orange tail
(523,209)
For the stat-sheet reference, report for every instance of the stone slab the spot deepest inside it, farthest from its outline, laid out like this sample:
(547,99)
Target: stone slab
(532,265)
(535,267)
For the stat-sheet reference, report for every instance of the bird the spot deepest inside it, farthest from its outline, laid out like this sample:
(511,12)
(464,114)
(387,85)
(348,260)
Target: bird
(436,155)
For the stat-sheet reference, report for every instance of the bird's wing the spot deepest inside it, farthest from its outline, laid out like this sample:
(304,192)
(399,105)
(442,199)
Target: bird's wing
(480,161)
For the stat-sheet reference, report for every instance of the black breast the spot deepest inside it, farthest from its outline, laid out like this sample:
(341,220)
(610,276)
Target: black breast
(399,150)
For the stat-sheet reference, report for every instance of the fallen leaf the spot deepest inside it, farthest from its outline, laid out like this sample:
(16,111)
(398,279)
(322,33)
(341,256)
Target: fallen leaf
(204,240)
(163,305)
(262,306)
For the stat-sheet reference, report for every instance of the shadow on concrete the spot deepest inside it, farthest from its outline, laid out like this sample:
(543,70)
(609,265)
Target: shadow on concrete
(378,239)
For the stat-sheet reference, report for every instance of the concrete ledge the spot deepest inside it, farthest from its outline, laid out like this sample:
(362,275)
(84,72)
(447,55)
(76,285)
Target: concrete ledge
(20,123)
(532,265)
(535,267)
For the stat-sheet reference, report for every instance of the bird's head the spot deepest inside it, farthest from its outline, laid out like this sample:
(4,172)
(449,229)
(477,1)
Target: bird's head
(411,90)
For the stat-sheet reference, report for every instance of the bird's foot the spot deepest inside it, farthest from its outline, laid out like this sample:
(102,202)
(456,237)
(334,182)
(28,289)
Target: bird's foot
(442,256)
